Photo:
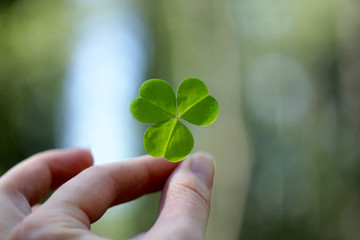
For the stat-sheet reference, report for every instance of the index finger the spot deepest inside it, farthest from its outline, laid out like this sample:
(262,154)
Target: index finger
(88,195)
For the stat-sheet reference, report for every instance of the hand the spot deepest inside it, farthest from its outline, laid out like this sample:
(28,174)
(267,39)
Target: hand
(86,192)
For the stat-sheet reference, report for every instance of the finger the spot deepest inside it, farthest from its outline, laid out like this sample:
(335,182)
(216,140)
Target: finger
(34,177)
(30,181)
(92,192)
(35,207)
(185,203)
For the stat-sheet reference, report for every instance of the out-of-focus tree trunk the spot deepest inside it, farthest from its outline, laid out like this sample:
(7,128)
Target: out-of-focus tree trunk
(195,39)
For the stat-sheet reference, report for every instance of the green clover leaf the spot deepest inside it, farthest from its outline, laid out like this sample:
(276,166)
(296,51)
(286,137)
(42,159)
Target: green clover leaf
(157,104)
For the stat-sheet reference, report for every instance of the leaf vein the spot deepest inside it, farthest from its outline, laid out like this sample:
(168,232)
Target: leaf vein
(166,111)
(192,105)
(170,135)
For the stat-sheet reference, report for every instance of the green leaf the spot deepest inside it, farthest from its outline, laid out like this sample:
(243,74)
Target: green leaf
(157,102)
(194,103)
(171,139)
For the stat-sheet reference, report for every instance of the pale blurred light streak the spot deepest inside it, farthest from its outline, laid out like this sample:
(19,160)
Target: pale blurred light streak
(108,62)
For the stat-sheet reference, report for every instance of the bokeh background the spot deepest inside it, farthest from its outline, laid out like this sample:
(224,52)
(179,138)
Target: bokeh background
(286,75)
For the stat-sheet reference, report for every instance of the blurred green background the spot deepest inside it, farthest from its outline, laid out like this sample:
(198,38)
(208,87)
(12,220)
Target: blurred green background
(285,73)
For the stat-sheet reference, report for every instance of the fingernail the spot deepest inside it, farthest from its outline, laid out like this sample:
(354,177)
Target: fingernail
(202,164)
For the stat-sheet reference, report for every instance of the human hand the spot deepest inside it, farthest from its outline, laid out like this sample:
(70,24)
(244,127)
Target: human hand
(86,192)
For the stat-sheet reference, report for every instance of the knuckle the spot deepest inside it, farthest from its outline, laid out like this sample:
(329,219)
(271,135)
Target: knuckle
(34,229)
(193,193)
(27,230)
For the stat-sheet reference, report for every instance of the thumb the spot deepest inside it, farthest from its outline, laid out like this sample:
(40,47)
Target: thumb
(185,202)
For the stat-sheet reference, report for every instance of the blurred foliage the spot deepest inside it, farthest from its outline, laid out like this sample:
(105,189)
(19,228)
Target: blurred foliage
(305,167)
(197,40)
(32,60)
(125,226)
(6,3)
(285,73)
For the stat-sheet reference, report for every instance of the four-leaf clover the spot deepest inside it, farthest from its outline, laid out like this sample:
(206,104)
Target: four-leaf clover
(157,104)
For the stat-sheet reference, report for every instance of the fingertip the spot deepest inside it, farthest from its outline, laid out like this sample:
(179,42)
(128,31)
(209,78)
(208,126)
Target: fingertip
(79,155)
(203,165)
(186,197)
(85,154)
(162,165)
(67,163)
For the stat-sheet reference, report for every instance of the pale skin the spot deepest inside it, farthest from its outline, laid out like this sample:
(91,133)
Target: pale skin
(84,192)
